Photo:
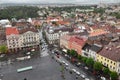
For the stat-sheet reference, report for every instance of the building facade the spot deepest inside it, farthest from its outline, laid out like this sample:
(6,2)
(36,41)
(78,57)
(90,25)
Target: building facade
(20,38)
(13,39)
(91,50)
(53,34)
(73,42)
(109,56)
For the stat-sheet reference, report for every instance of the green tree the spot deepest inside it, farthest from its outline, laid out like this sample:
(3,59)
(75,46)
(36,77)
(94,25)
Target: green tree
(90,62)
(118,16)
(99,10)
(84,59)
(19,12)
(73,53)
(3,49)
(79,57)
(106,71)
(113,75)
(97,66)
(68,52)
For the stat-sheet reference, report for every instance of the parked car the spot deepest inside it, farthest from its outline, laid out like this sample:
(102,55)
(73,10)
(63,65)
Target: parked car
(78,73)
(103,78)
(83,76)
(28,53)
(74,70)
(86,67)
(78,64)
(2,55)
(66,64)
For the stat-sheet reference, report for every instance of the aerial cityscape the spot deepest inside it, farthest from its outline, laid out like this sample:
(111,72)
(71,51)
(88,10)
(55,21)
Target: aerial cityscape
(60,40)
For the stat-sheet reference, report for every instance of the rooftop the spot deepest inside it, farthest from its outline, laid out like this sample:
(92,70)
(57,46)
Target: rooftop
(111,51)
(93,47)
(27,29)
(97,32)
(62,29)
(80,40)
(11,30)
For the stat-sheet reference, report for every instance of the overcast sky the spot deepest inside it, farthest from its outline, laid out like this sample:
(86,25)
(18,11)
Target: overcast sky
(58,1)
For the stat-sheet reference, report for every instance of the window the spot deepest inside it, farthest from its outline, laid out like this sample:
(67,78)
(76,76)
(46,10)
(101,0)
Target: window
(111,61)
(107,60)
(113,67)
(114,63)
(110,66)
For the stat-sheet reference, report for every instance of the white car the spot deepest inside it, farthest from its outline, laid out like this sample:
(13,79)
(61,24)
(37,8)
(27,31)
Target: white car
(74,70)
(86,68)
(63,62)
(78,73)
(83,76)
(33,50)
(103,78)
(28,53)
(66,64)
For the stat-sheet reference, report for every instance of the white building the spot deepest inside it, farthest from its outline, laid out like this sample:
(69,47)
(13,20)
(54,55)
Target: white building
(21,38)
(91,50)
(53,34)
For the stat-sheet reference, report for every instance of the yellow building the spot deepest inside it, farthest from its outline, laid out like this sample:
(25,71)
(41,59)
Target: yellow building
(109,56)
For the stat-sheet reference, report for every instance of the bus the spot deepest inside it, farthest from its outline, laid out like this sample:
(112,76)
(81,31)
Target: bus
(24,69)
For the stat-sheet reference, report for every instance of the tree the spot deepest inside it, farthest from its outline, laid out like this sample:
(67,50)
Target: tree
(113,75)
(97,66)
(99,10)
(84,59)
(19,12)
(118,16)
(106,71)
(68,52)
(3,49)
(90,62)
(79,57)
(73,53)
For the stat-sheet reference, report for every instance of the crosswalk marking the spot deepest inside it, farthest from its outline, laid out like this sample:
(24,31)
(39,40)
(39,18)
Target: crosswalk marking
(43,54)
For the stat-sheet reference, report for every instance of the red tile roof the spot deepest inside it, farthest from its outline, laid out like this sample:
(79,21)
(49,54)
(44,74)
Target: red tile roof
(11,30)
(97,32)
(111,51)
(78,40)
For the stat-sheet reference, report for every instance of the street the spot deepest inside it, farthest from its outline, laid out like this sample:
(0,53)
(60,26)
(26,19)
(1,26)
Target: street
(44,68)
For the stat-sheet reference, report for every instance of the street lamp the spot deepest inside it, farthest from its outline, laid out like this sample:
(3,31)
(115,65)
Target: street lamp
(59,37)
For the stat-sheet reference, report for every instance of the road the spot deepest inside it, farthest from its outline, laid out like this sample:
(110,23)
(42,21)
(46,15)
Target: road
(74,67)
(44,68)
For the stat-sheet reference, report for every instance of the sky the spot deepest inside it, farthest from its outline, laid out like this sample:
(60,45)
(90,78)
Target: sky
(59,1)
